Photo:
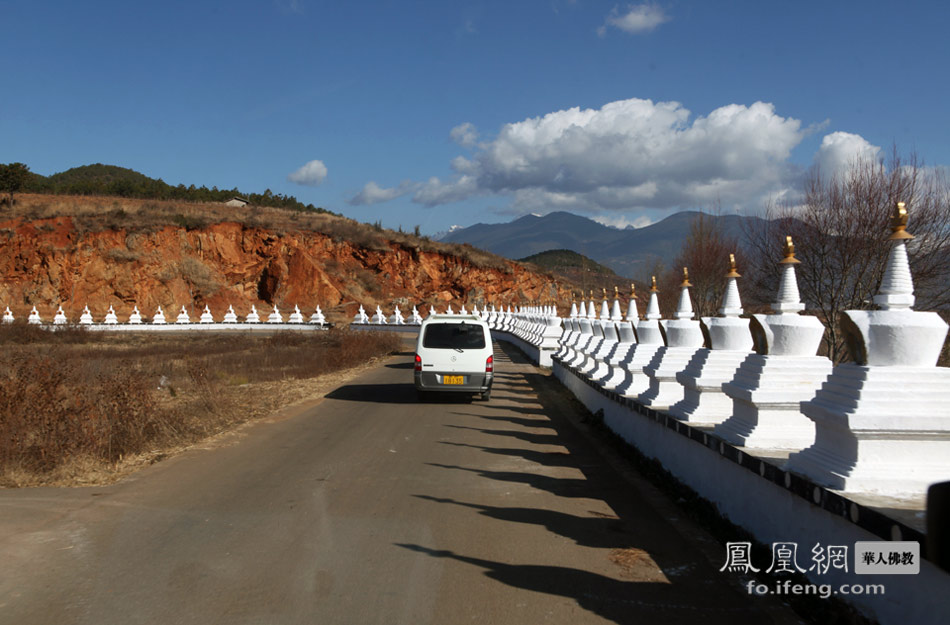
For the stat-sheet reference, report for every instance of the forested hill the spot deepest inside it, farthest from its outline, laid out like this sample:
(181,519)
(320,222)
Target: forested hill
(551,260)
(102,179)
(577,270)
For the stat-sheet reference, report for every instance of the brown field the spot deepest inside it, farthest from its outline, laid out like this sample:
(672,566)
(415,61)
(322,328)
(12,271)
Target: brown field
(80,407)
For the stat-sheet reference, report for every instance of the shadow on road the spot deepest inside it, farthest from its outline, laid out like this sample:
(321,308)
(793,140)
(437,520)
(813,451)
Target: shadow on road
(560,486)
(399,365)
(595,531)
(394,394)
(616,600)
(528,437)
(522,421)
(544,458)
(661,578)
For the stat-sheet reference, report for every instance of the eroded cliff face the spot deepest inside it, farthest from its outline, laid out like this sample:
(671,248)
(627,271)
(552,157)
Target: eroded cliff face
(47,263)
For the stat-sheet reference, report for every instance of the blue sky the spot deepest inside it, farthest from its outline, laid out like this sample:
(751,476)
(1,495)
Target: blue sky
(439,113)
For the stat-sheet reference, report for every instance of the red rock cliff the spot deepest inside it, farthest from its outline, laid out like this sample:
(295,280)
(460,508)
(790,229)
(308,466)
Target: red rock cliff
(49,262)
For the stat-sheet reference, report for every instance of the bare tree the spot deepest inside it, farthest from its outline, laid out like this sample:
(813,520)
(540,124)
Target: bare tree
(705,253)
(840,234)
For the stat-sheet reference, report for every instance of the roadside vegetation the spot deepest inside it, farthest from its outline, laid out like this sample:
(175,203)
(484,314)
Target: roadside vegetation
(87,407)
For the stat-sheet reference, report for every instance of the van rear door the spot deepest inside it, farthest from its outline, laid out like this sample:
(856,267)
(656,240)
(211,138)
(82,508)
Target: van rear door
(454,347)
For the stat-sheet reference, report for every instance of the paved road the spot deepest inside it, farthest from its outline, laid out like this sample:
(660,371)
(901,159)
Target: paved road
(372,508)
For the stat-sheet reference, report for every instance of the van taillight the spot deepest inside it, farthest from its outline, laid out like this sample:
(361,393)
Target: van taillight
(490,365)
(418,363)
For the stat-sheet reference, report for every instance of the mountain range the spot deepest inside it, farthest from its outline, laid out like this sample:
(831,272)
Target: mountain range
(631,252)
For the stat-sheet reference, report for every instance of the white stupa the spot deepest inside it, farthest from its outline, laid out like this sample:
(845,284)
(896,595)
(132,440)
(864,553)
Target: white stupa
(361,317)
(431,310)
(136,317)
(60,318)
(416,318)
(206,316)
(158,318)
(883,421)
(615,314)
(230,316)
(34,317)
(683,338)
(111,318)
(379,318)
(605,337)
(494,317)
(86,317)
(318,318)
(253,316)
(730,344)
(275,316)
(7,315)
(768,387)
(583,360)
(296,316)
(569,336)
(613,372)
(627,377)
(576,351)
(550,328)
(611,343)
(449,310)
(397,318)
(183,316)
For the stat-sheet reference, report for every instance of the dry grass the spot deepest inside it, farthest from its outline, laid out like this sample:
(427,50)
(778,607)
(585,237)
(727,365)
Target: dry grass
(77,406)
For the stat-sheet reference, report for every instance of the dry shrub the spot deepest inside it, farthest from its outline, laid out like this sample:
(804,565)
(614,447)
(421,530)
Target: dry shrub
(53,409)
(21,333)
(199,275)
(367,278)
(71,397)
(296,355)
(122,255)
(357,234)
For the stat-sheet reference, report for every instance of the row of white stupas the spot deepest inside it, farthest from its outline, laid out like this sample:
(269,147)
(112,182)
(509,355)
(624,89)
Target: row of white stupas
(493,317)
(880,424)
(183,318)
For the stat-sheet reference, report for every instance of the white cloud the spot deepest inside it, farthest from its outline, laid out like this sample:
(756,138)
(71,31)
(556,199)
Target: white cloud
(628,154)
(372,193)
(637,18)
(623,221)
(435,192)
(464,134)
(839,150)
(311,174)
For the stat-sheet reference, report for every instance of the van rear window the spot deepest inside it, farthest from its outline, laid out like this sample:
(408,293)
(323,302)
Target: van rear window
(454,336)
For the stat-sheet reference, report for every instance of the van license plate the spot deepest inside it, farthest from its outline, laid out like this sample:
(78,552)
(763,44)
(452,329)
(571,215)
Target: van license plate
(453,379)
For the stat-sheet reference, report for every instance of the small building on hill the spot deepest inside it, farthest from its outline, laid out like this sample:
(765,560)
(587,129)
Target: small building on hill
(236,201)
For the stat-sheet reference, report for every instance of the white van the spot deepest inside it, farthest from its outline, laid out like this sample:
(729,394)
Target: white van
(454,353)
